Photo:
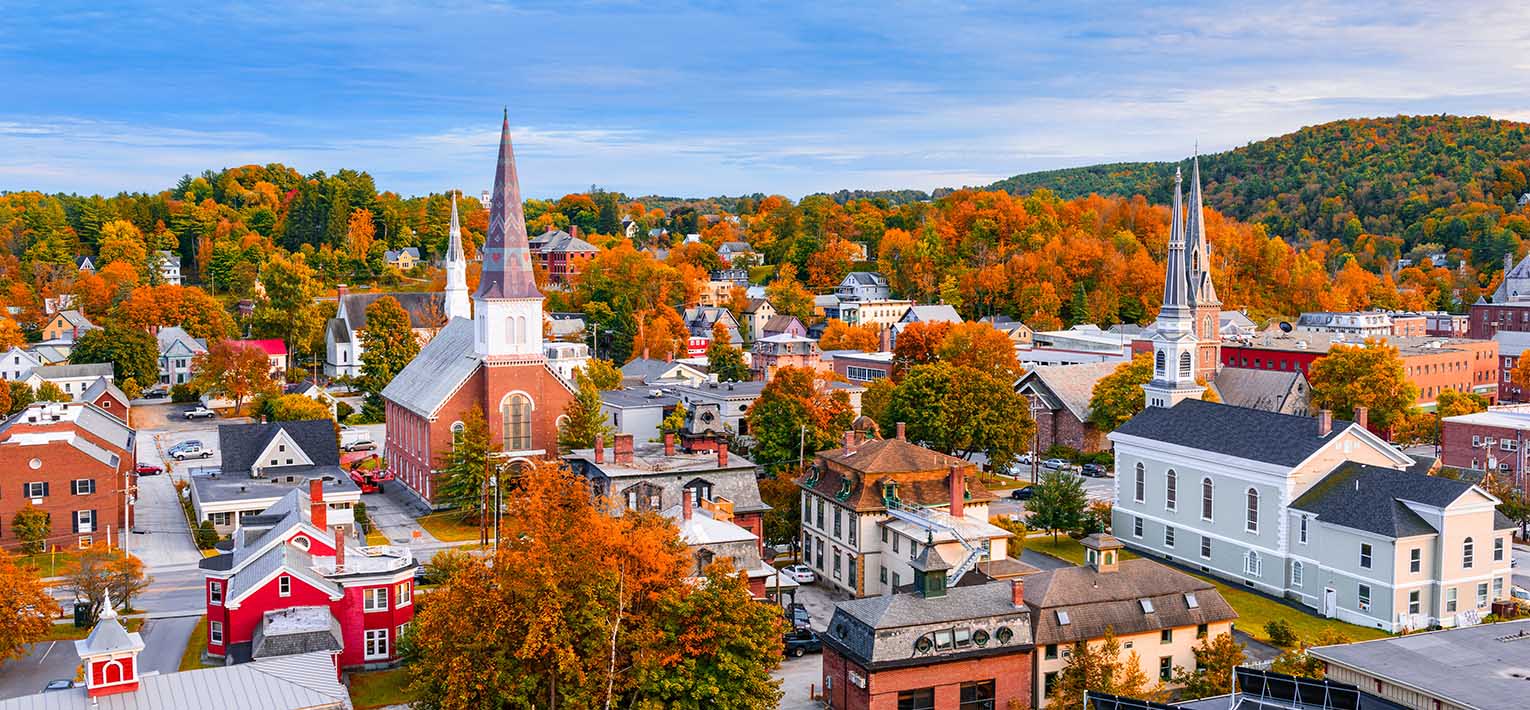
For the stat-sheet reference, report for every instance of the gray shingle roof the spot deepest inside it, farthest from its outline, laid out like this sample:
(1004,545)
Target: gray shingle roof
(242,443)
(1282,439)
(1370,498)
(305,682)
(425,309)
(441,367)
(296,630)
(1071,386)
(1256,389)
(883,629)
(89,369)
(932,314)
(1095,600)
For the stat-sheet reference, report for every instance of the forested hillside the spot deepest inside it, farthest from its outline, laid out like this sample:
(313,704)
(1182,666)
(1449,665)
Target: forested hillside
(1414,185)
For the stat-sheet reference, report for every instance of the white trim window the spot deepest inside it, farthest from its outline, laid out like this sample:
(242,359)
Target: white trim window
(1136,526)
(405,594)
(284,585)
(1139,488)
(374,599)
(1252,564)
(376,644)
(1414,604)
(1450,600)
(1297,573)
(1208,490)
(215,593)
(1497,549)
(1468,550)
(1205,547)
(1365,555)
(215,632)
(1251,524)
(1365,597)
(1301,529)
(1168,536)
(1171,490)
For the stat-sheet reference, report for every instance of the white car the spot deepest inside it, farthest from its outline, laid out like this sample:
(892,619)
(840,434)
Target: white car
(200,412)
(802,574)
(1520,593)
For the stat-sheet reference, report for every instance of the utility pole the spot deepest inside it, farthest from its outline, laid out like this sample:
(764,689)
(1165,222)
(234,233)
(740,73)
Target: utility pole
(1035,440)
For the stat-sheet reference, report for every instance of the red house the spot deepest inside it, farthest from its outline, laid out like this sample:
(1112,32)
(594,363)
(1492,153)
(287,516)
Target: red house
(293,585)
(492,361)
(274,348)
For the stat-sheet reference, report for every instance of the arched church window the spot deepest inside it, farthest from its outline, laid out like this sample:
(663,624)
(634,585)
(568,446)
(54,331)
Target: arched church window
(1185,366)
(515,413)
(1158,362)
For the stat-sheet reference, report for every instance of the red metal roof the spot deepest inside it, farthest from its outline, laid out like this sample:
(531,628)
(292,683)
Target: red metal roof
(272,346)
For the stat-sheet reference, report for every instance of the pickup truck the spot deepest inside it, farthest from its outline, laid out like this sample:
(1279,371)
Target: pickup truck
(191,451)
(200,412)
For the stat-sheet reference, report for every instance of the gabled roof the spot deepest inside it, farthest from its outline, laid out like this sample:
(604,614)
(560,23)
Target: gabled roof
(922,475)
(432,376)
(932,314)
(1095,600)
(425,309)
(173,340)
(392,255)
(1372,499)
(735,247)
(1256,435)
(883,629)
(649,370)
(864,278)
(1269,390)
(302,682)
(755,304)
(561,242)
(1068,386)
(242,443)
(75,318)
(102,386)
(60,372)
(270,346)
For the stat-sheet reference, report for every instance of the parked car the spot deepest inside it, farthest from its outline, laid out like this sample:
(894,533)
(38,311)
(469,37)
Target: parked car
(185,444)
(800,642)
(147,469)
(1054,463)
(803,574)
(62,684)
(200,412)
(156,393)
(194,451)
(1094,470)
(799,615)
(1024,493)
(363,443)
(1025,458)
(1520,593)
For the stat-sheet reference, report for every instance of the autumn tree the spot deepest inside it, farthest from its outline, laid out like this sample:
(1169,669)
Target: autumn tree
(723,359)
(1298,662)
(1370,375)
(201,315)
(297,408)
(26,608)
(783,522)
(1215,659)
(1520,375)
(603,373)
(233,370)
(797,413)
(789,296)
(32,525)
(961,411)
(674,422)
(918,344)
(1118,396)
(98,570)
(839,335)
(583,420)
(134,354)
(982,347)
(360,231)
(122,242)
(1101,668)
(1057,503)
(582,608)
(288,309)
(465,466)
(10,334)
(49,391)
(388,343)
(661,334)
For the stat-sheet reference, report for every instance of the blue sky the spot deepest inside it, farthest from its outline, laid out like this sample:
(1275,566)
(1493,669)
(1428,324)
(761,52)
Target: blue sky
(701,99)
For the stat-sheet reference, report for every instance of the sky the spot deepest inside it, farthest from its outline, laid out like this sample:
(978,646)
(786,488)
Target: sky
(704,99)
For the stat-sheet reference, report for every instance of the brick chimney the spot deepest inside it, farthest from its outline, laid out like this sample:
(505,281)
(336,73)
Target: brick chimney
(722,455)
(318,510)
(1325,422)
(339,549)
(1362,416)
(600,448)
(340,292)
(573,231)
(1017,592)
(685,507)
(850,442)
(669,444)
(958,483)
(622,452)
(901,435)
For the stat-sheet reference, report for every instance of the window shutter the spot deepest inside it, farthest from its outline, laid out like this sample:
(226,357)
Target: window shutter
(26,491)
(74,487)
(45,489)
(95,519)
(74,522)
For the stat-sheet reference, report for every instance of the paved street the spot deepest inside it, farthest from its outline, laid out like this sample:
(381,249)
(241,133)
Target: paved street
(1101,489)
(1522,566)
(47,661)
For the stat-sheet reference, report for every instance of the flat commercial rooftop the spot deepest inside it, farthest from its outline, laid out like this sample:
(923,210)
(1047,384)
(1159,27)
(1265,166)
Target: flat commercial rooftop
(1482,666)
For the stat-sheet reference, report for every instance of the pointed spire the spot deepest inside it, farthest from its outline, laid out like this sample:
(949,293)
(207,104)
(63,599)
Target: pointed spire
(1197,251)
(506,254)
(1175,289)
(454,246)
(107,611)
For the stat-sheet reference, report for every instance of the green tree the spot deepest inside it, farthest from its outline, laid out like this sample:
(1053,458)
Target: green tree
(604,374)
(876,398)
(22,395)
(50,392)
(289,310)
(1101,668)
(1369,376)
(1118,396)
(206,536)
(465,466)
(783,522)
(133,353)
(724,360)
(31,526)
(961,411)
(1215,659)
(388,344)
(796,413)
(1058,502)
(675,422)
(583,418)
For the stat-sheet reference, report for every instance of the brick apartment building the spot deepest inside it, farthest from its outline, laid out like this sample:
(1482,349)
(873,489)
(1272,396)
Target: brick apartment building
(75,462)
(1493,440)
(1509,308)
(1432,364)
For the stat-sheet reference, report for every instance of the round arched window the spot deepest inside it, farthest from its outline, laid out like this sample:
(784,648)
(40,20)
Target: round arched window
(980,637)
(1004,634)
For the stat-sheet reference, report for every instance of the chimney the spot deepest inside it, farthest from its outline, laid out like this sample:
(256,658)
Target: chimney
(600,448)
(622,452)
(685,507)
(1017,592)
(669,444)
(901,436)
(722,455)
(573,231)
(339,549)
(1362,416)
(958,490)
(341,291)
(1325,422)
(849,442)
(318,510)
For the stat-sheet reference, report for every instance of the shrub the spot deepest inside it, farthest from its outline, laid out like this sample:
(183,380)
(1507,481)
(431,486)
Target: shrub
(207,535)
(446,563)
(1059,451)
(184,393)
(1280,632)
(360,512)
(343,411)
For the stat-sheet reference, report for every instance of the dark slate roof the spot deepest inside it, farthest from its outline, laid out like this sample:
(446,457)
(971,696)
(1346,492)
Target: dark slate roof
(881,630)
(1370,498)
(441,367)
(217,563)
(426,310)
(1283,439)
(241,443)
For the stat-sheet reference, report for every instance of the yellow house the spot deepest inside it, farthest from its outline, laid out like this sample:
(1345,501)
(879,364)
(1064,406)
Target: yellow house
(1154,610)
(67,326)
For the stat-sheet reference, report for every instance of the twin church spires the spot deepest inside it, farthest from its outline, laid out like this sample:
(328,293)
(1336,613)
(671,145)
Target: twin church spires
(1186,342)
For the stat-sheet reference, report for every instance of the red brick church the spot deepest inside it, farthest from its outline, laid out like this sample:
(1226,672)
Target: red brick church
(491,358)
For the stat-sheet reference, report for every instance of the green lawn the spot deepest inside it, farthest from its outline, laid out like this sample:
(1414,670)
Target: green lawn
(375,537)
(375,689)
(67,632)
(191,658)
(48,564)
(448,526)
(1254,609)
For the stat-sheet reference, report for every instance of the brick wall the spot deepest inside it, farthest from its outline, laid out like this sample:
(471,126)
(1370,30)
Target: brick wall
(1456,449)
(58,464)
(1011,674)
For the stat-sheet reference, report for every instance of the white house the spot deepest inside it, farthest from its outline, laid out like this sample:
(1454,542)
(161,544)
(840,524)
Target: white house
(169,267)
(177,352)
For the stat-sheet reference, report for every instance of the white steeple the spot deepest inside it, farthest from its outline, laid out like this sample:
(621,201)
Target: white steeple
(507,308)
(457,303)
(1174,336)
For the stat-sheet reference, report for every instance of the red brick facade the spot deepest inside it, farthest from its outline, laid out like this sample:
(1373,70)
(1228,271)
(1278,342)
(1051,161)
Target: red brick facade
(83,496)
(1060,428)
(1488,318)
(1463,445)
(878,690)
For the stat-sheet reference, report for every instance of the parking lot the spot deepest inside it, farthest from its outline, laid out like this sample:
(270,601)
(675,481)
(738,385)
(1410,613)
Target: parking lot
(1097,489)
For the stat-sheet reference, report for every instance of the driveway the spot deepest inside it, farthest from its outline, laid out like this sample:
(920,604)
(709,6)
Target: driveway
(798,677)
(160,536)
(1096,489)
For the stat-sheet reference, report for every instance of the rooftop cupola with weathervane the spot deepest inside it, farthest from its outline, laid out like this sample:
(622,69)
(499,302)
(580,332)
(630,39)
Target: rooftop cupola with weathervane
(1174,340)
(1205,307)
(110,654)
(457,304)
(507,307)
(930,571)
(1102,552)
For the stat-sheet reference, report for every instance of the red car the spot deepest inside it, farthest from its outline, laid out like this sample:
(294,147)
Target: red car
(148,469)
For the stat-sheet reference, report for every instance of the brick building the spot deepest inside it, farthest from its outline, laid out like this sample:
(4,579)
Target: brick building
(1432,364)
(73,461)
(562,254)
(931,648)
(774,352)
(491,359)
(1060,397)
(1512,344)
(857,366)
(294,584)
(1509,308)
(1494,440)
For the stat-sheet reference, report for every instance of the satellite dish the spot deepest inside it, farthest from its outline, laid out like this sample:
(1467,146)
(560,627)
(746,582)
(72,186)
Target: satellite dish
(1285,327)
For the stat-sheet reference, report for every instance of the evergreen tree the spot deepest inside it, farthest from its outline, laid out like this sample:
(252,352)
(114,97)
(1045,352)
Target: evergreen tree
(466,466)
(584,420)
(1058,502)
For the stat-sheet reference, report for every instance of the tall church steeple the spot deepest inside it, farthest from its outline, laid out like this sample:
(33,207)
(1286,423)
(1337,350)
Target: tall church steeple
(1205,306)
(1174,341)
(507,308)
(457,304)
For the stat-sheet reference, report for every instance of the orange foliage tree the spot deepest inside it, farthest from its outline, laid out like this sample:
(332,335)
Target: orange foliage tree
(26,609)
(188,307)
(839,335)
(981,347)
(918,344)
